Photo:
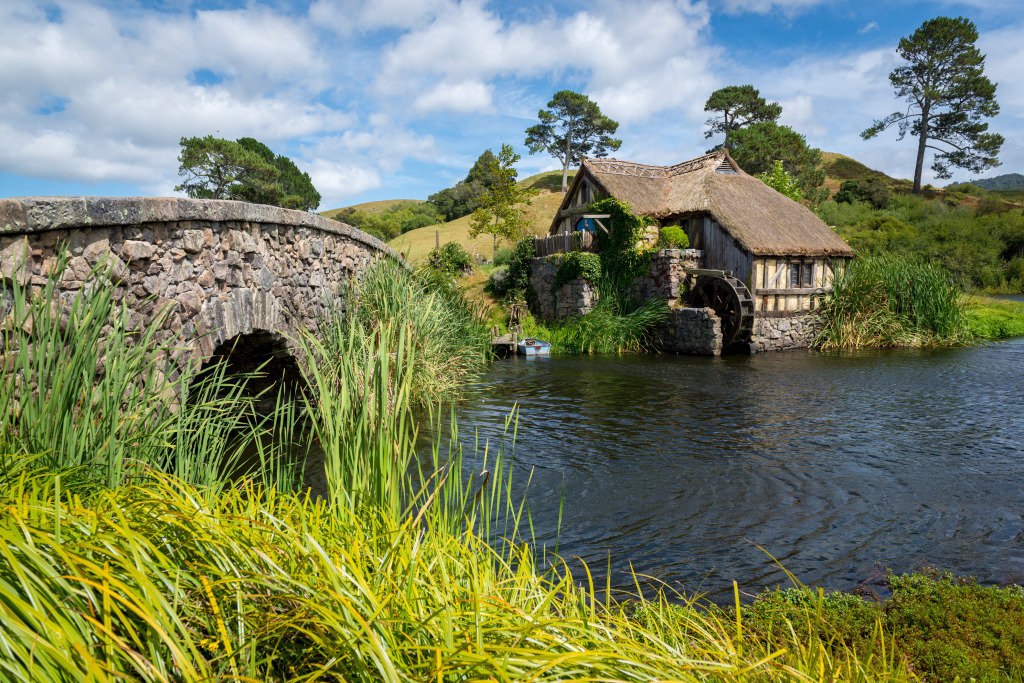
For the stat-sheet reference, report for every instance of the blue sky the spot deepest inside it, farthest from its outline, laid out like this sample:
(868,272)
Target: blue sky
(397,98)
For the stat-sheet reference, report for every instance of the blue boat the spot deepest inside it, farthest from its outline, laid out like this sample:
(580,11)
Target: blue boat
(534,347)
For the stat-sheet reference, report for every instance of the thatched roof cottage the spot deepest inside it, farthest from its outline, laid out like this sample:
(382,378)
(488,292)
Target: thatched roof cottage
(779,248)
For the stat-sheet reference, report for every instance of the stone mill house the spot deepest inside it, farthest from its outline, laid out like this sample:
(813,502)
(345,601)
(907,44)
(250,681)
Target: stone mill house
(757,261)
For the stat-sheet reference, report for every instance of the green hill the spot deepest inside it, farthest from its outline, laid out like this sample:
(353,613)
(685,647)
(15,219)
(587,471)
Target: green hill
(416,244)
(372,207)
(1007,181)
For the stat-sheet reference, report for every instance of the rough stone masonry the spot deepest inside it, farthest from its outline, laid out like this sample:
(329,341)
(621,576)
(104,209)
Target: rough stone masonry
(223,268)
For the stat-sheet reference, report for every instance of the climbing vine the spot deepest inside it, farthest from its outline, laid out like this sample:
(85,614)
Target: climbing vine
(622,257)
(578,264)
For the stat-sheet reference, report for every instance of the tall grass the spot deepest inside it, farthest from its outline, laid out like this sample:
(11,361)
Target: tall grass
(443,328)
(617,324)
(891,301)
(163,581)
(155,578)
(89,391)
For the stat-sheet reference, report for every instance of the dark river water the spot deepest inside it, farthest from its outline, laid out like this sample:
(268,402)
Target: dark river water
(835,463)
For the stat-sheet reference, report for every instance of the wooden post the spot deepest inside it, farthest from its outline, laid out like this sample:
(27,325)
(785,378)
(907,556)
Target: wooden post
(437,239)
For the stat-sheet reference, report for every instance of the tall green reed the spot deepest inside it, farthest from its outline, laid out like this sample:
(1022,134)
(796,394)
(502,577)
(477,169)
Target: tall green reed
(91,389)
(888,300)
(617,324)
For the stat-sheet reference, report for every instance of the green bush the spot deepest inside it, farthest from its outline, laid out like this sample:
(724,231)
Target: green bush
(519,271)
(949,626)
(450,258)
(498,281)
(888,300)
(502,256)
(577,265)
(673,237)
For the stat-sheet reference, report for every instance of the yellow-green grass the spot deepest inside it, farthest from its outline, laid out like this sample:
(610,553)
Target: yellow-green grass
(992,318)
(371,207)
(416,244)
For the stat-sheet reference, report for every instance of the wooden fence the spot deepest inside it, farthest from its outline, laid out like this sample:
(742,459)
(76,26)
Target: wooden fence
(565,242)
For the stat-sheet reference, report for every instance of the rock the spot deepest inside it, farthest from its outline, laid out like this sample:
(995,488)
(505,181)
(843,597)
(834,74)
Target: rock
(134,250)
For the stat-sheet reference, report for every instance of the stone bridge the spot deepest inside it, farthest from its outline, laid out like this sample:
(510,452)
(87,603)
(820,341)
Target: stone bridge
(227,271)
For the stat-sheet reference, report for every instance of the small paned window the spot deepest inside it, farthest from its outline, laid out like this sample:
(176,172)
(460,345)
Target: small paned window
(801,274)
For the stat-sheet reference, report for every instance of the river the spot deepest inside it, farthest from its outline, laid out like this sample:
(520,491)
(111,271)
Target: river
(835,463)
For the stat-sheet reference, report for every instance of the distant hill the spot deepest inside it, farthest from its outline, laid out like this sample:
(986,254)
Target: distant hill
(372,207)
(416,244)
(1007,181)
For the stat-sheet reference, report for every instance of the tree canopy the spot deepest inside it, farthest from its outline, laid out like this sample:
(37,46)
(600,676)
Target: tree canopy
(464,198)
(502,213)
(571,128)
(735,107)
(757,147)
(947,94)
(246,170)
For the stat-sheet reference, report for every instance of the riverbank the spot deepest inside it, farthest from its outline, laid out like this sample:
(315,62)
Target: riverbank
(993,317)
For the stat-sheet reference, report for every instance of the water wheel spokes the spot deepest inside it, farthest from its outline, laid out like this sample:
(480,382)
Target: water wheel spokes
(731,301)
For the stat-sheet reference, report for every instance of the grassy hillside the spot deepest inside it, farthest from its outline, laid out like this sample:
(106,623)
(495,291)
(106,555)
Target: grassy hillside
(416,244)
(372,207)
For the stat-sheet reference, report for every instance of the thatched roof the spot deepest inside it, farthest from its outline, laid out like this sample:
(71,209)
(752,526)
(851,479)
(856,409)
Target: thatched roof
(763,221)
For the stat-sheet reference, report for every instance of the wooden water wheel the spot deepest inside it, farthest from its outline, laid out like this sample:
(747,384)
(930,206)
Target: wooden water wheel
(731,302)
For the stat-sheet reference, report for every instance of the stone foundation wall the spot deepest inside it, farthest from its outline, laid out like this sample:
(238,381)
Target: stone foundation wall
(667,279)
(575,297)
(779,332)
(690,330)
(224,268)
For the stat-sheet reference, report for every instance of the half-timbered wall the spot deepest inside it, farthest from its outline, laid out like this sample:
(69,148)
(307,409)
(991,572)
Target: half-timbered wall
(583,195)
(792,283)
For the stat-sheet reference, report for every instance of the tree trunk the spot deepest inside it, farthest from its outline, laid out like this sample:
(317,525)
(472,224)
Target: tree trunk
(922,142)
(568,158)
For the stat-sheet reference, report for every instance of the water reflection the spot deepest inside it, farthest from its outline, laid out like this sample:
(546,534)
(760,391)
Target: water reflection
(831,462)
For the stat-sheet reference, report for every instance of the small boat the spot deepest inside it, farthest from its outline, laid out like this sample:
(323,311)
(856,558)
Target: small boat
(534,347)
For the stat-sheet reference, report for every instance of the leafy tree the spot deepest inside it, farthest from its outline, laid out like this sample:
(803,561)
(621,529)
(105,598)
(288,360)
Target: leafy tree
(502,213)
(571,128)
(781,182)
(738,106)
(296,186)
(947,94)
(246,170)
(464,198)
(757,147)
(220,169)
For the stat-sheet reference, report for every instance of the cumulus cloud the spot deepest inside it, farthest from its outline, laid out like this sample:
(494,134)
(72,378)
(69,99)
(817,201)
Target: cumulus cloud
(789,7)
(126,92)
(635,59)
(463,97)
(339,182)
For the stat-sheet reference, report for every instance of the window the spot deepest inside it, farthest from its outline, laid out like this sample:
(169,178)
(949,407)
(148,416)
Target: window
(801,274)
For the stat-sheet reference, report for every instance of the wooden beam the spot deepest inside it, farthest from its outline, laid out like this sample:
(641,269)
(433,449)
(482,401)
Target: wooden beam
(572,211)
(710,273)
(790,291)
(777,274)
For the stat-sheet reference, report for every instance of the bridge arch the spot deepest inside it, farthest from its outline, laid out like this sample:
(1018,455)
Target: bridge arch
(223,269)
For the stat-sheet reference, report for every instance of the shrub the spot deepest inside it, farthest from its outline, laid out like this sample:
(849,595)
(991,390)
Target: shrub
(502,255)
(498,281)
(673,237)
(954,198)
(949,626)
(450,258)
(519,271)
(987,206)
(577,265)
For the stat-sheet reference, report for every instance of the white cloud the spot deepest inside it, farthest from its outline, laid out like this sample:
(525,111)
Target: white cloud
(339,182)
(788,7)
(636,59)
(123,92)
(870,26)
(349,16)
(463,97)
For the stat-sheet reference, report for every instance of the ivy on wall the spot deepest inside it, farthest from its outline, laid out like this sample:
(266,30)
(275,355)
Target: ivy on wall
(578,264)
(622,259)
